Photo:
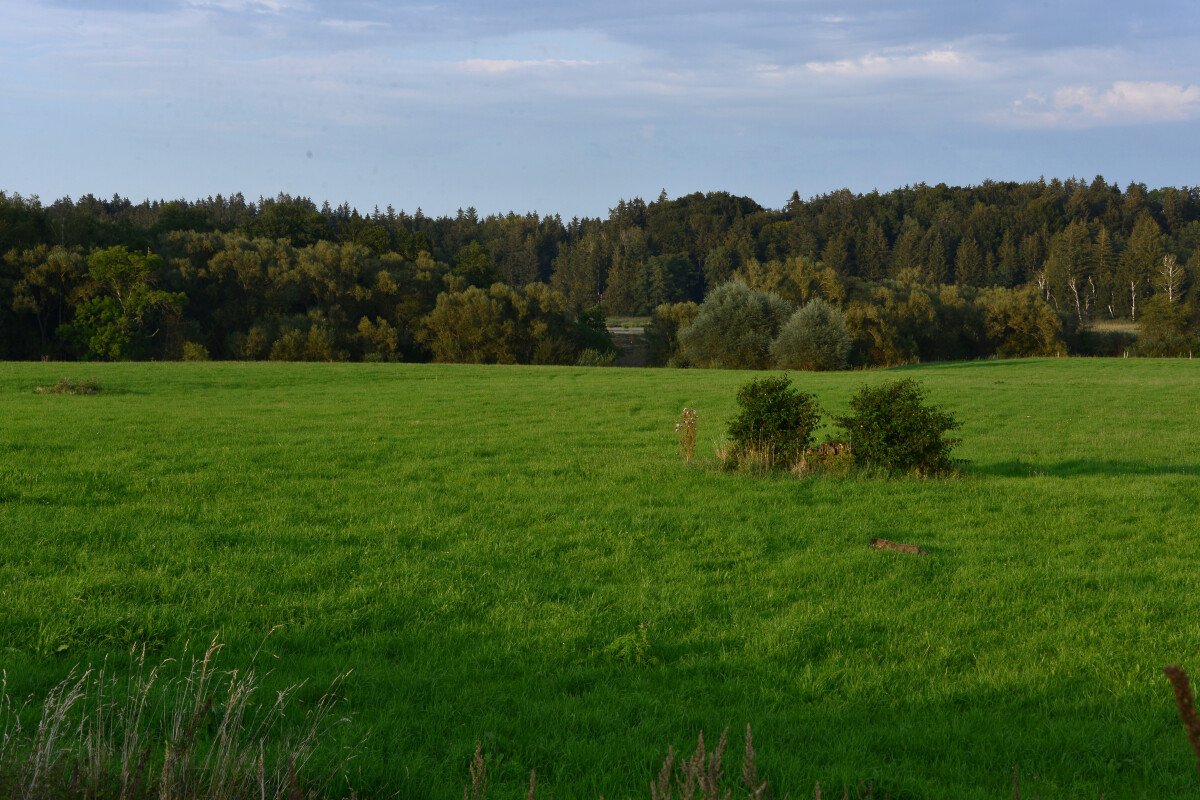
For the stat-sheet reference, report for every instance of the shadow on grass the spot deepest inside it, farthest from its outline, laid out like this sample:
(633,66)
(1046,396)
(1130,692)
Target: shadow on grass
(1081,467)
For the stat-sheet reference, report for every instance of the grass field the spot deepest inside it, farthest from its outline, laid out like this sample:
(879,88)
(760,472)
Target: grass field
(482,544)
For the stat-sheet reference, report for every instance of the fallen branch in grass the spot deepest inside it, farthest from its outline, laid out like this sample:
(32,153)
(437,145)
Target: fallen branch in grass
(1186,702)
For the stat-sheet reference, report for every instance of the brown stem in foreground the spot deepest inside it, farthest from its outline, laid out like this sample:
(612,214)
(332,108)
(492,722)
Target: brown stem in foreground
(1186,703)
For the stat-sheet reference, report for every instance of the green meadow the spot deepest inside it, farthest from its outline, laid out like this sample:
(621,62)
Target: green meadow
(518,556)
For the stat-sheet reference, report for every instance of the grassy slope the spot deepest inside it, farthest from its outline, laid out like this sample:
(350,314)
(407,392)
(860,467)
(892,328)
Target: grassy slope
(470,540)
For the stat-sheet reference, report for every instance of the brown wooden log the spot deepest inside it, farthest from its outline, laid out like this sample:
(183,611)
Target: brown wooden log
(899,547)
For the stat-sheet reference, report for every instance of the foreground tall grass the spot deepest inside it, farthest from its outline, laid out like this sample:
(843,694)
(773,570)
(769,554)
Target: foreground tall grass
(192,732)
(519,556)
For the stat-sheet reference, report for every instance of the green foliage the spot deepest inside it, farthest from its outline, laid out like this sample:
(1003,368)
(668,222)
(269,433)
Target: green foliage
(1167,329)
(734,328)
(317,342)
(662,334)
(295,219)
(891,427)
(473,264)
(49,277)
(774,421)
(591,331)
(194,351)
(501,325)
(124,311)
(814,338)
(379,339)
(589,357)
(632,649)
(250,270)
(1019,323)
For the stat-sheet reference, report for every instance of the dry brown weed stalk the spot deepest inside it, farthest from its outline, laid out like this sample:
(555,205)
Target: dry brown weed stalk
(685,432)
(202,734)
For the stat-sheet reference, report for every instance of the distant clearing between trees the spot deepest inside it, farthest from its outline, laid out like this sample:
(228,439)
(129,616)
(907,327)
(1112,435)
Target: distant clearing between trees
(518,556)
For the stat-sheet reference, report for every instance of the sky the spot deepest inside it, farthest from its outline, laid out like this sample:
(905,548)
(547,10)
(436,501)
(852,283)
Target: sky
(561,107)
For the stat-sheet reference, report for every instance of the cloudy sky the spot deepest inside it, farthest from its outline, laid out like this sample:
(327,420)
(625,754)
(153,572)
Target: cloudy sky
(567,107)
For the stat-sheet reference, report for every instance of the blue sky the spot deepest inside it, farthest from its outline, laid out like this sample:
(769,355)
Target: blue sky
(567,107)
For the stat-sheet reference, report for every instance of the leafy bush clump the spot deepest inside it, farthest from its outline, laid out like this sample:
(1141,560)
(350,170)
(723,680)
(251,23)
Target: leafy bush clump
(734,328)
(892,428)
(590,357)
(775,424)
(1167,330)
(194,351)
(71,386)
(814,338)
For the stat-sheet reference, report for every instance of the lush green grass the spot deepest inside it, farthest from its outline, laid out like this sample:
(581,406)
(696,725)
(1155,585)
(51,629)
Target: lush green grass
(470,540)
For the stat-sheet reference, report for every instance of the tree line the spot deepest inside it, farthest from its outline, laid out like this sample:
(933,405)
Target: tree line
(919,273)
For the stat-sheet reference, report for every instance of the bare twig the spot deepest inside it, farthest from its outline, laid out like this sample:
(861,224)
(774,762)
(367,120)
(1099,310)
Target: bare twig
(1186,702)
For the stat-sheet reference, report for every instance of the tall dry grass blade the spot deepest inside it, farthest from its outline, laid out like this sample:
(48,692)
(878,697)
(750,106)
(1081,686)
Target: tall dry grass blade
(1185,701)
(478,769)
(532,784)
(47,750)
(202,735)
(713,771)
(756,786)
(660,789)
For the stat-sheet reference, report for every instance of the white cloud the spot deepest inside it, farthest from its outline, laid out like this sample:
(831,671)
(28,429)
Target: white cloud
(353,25)
(1123,103)
(501,66)
(873,65)
(257,6)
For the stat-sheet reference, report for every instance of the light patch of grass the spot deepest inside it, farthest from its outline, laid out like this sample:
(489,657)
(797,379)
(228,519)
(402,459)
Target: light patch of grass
(75,386)
(1115,326)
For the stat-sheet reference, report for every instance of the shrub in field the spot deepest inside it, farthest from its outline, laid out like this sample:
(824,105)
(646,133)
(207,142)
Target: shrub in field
(591,357)
(1020,323)
(194,351)
(1167,330)
(892,428)
(814,338)
(775,424)
(734,328)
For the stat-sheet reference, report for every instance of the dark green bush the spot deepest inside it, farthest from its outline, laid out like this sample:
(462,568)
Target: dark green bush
(775,424)
(814,338)
(1167,330)
(734,328)
(891,427)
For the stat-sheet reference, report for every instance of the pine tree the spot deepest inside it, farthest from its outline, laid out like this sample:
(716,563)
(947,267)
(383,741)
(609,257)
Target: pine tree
(873,253)
(1140,260)
(968,263)
(1008,269)
(935,258)
(1104,257)
(1069,269)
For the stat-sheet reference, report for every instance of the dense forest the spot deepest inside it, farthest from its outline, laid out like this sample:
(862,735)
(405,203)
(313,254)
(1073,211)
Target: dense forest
(918,273)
